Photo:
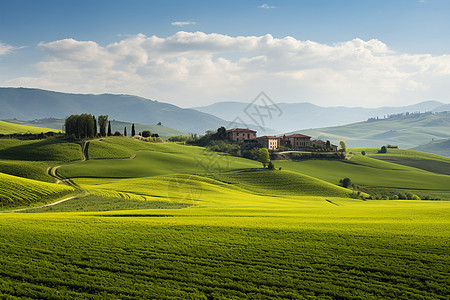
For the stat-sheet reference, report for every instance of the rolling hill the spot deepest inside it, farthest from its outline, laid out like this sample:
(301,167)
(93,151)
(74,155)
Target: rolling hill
(440,147)
(58,124)
(10,128)
(405,131)
(30,104)
(306,115)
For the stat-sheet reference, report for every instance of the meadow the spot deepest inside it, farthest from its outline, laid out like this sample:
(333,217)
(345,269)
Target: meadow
(169,221)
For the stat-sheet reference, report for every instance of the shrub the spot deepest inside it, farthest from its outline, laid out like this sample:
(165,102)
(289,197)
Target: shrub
(346,182)
(146,133)
(363,152)
(271,166)
(117,133)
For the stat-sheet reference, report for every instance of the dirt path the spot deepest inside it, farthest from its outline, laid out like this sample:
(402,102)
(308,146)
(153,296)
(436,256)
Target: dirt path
(50,204)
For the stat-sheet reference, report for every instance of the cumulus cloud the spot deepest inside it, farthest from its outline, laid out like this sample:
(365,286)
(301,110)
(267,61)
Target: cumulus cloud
(181,24)
(194,68)
(266,6)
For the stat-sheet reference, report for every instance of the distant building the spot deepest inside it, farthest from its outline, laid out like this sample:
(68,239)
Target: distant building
(318,144)
(241,134)
(269,142)
(392,146)
(296,141)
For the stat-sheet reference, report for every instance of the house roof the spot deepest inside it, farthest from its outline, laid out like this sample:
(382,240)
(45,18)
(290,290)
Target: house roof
(319,142)
(297,135)
(240,130)
(268,137)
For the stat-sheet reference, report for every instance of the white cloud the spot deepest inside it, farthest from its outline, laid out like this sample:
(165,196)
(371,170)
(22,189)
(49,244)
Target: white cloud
(6,49)
(194,68)
(181,24)
(266,6)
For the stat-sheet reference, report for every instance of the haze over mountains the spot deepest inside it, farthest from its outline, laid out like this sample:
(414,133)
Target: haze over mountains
(30,104)
(305,115)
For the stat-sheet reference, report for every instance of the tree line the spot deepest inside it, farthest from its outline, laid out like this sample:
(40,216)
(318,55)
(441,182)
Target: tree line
(87,126)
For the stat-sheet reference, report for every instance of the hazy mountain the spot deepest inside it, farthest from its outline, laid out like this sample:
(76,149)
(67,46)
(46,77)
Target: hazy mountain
(306,115)
(162,131)
(30,104)
(445,107)
(406,131)
(441,147)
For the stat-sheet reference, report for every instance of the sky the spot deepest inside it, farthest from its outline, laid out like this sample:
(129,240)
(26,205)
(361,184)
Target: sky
(194,53)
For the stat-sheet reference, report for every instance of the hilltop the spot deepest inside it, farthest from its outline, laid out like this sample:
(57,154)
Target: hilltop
(30,104)
(405,131)
(440,147)
(304,115)
(57,124)
(10,128)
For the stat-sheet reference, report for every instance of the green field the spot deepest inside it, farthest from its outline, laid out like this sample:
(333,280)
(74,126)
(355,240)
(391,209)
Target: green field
(17,191)
(168,221)
(10,128)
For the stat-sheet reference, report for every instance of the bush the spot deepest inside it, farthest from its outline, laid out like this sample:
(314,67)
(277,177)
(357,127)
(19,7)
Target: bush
(395,197)
(146,133)
(346,182)
(117,133)
(383,150)
(271,166)
(363,152)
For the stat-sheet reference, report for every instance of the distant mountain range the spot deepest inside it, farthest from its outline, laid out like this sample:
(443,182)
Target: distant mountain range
(295,116)
(405,131)
(162,131)
(30,104)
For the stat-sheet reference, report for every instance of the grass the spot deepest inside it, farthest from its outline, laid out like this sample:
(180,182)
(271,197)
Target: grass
(239,232)
(370,172)
(105,203)
(27,169)
(156,159)
(10,128)
(406,132)
(17,191)
(277,183)
(50,149)
(309,249)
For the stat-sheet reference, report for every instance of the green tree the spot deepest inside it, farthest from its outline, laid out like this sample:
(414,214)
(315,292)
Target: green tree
(271,166)
(109,128)
(133,130)
(382,150)
(343,147)
(102,122)
(146,133)
(263,156)
(346,182)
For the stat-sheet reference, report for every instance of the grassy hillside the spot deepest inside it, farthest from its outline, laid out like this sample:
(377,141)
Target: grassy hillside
(286,248)
(17,191)
(404,131)
(296,116)
(10,128)
(31,158)
(30,104)
(440,147)
(57,124)
(371,172)
(155,159)
(236,231)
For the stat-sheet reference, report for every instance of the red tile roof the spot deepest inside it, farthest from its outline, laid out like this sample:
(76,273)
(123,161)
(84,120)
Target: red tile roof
(268,137)
(240,130)
(297,135)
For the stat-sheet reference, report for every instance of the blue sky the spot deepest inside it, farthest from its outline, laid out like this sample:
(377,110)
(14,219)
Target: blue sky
(30,55)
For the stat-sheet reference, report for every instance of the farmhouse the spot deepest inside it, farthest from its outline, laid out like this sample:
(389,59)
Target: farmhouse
(296,141)
(269,142)
(240,134)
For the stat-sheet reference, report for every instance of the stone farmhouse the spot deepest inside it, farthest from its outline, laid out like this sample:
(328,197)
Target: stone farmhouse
(293,141)
(240,134)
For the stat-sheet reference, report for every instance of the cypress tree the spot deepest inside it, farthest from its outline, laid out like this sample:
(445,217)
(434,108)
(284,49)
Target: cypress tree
(95,126)
(109,128)
(133,130)
(125,131)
